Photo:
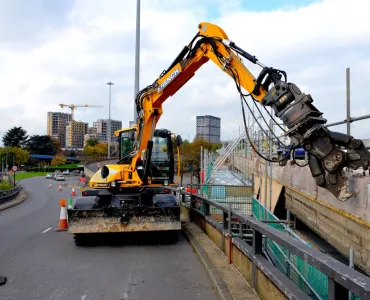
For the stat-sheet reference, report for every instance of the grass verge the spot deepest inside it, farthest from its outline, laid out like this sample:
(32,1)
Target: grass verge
(20,176)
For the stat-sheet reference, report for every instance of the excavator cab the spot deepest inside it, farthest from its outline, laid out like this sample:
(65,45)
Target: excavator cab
(126,140)
(162,162)
(162,158)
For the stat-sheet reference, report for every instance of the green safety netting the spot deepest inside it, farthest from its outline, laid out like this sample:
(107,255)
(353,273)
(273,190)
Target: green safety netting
(312,281)
(300,272)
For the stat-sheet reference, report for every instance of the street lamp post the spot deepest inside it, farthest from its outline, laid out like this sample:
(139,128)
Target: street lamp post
(137,55)
(109,121)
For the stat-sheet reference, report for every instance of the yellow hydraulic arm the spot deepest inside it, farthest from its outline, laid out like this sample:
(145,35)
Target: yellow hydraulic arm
(149,102)
(304,122)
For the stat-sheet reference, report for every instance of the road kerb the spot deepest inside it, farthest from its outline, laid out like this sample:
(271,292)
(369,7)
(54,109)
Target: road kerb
(221,287)
(22,196)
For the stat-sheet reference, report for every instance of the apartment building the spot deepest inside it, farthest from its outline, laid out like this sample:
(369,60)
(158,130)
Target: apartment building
(56,126)
(101,126)
(209,128)
(75,133)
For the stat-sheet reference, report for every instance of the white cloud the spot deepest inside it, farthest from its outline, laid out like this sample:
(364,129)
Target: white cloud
(95,43)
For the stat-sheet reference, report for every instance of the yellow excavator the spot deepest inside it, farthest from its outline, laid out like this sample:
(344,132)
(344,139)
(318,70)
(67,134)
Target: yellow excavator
(110,207)
(328,152)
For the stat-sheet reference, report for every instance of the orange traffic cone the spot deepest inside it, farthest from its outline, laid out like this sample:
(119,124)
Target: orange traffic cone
(60,188)
(63,224)
(73,191)
(50,186)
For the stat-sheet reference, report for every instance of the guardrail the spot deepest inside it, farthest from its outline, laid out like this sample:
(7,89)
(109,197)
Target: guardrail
(341,278)
(8,194)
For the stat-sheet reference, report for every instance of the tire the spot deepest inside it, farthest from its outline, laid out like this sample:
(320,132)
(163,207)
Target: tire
(172,236)
(85,240)
(80,240)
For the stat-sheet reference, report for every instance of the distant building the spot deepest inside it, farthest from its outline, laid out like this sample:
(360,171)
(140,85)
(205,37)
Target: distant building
(102,130)
(75,133)
(209,128)
(92,130)
(89,136)
(56,126)
(131,123)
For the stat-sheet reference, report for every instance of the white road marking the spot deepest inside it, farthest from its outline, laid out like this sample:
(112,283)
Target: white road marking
(83,297)
(125,295)
(46,230)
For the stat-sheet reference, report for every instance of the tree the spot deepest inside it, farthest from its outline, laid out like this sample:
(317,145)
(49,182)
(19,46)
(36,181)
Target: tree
(58,160)
(103,148)
(190,156)
(41,144)
(73,153)
(216,147)
(58,145)
(20,155)
(92,142)
(15,137)
(96,151)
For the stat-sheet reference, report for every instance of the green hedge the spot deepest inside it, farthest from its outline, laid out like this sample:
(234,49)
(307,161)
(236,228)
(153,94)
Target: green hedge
(52,169)
(5,186)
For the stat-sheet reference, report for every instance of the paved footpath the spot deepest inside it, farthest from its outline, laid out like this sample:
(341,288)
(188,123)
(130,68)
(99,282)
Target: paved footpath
(41,263)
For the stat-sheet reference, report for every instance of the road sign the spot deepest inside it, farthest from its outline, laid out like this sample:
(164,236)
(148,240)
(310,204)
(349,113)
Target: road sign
(98,165)
(14,168)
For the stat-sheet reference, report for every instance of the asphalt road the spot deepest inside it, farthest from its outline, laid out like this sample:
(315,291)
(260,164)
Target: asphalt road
(41,263)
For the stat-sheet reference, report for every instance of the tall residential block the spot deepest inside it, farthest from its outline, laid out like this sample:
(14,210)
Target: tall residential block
(209,128)
(56,126)
(75,133)
(102,129)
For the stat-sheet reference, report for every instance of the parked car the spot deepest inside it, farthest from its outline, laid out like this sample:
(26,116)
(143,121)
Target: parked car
(66,172)
(75,172)
(60,178)
(56,173)
(49,176)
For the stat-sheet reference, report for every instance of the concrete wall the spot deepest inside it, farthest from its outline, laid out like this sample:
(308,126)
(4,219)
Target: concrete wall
(88,172)
(342,224)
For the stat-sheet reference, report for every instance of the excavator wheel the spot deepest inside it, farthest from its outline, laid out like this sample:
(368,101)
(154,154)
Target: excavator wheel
(172,236)
(84,240)
(79,240)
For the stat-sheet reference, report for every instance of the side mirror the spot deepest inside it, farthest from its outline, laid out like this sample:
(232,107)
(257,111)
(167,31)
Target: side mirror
(104,172)
(178,141)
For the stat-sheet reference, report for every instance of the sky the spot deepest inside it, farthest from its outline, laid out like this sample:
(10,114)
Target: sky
(65,51)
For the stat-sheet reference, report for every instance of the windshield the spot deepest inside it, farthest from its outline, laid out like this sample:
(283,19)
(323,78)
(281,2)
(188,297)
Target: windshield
(126,144)
(160,159)
(160,153)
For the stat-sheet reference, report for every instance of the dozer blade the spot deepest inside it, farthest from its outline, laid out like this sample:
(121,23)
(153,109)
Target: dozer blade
(100,221)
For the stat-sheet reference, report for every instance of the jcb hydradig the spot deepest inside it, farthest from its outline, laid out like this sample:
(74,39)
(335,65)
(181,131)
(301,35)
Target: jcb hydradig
(119,203)
(129,185)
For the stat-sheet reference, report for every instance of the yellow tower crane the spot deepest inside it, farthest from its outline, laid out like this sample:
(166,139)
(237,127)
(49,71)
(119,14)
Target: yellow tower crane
(74,106)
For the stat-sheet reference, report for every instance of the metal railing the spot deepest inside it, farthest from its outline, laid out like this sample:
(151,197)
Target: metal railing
(341,278)
(238,196)
(287,263)
(9,194)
